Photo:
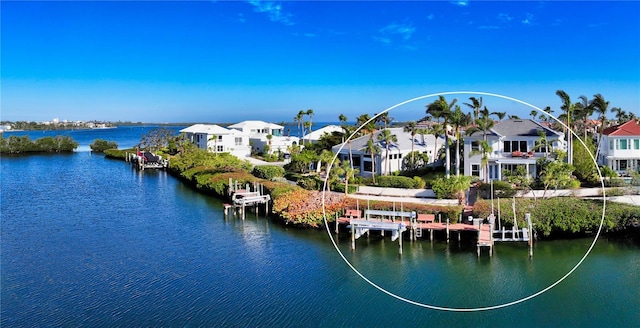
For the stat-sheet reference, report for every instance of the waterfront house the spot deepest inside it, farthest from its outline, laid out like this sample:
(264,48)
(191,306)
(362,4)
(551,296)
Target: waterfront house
(314,136)
(219,139)
(514,142)
(620,147)
(259,131)
(391,162)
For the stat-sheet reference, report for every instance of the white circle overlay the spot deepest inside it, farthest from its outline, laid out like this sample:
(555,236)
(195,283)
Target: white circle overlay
(453,309)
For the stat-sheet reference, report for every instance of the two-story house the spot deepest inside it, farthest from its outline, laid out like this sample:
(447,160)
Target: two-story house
(620,147)
(391,162)
(218,139)
(259,131)
(515,142)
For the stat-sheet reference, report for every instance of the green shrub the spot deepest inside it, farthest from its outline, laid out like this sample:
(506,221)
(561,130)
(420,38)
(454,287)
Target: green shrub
(387,181)
(613,192)
(100,145)
(419,182)
(452,187)
(501,189)
(268,172)
(308,183)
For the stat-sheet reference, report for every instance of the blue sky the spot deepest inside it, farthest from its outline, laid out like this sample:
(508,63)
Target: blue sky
(227,61)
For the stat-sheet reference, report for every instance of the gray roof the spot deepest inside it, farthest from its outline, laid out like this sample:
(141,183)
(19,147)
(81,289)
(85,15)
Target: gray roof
(518,127)
(403,143)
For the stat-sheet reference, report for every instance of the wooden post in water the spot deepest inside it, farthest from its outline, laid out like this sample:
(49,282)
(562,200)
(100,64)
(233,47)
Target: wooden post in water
(399,241)
(447,231)
(336,222)
(353,237)
(528,218)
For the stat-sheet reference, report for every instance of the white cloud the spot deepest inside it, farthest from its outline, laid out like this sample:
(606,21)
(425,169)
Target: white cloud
(430,17)
(503,17)
(403,30)
(463,3)
(273,10)
(528,20)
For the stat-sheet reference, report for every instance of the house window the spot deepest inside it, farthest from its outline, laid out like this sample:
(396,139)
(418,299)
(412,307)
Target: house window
(475,146)
(238,141)
(475,170)
(541,147)
(220,138)
(356,161)
(220,148)
(507,146)
(197,138)
(623,144)
(611,144)
(523,146)
(636,143)
(622,165)
(368,167)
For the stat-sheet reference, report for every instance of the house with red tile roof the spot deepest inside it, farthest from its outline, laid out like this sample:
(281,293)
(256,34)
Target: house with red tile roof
(620,147)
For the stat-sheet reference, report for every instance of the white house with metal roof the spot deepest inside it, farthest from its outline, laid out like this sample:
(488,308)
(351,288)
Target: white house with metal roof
(314,136)
(258,132)
(219,139)
(514,142)
(391,162)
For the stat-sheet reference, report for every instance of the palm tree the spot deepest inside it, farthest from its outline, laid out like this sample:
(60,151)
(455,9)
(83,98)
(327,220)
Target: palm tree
(458,119)
(440,108)
(373,149)
(412,130)
(533,114)
(349,172)
(586,110)
(325,156)
(567,107)
(476,106)
(437,130)
(620,115)
(601,106)
(215,143)
(388,138)
(501,115)
(542,142)
(269,137)
(485,149)
(383,120)
(310,114)
(347,133)
(299,119)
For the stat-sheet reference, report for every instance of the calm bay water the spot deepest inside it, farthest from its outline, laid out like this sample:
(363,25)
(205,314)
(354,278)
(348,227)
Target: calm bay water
(88,241)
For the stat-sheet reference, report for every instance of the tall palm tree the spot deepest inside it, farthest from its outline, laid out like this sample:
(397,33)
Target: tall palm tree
(373,149)
(437,130)
(300,119)
(600,106)
(347,133)
(567,107)
(215,143)
(388,138)
(533,114)
(484,124)
(440,108)
(620,114)
(309,113)
(501,115)
(458,119)
(586,110)
(485,149)
(476,106)
(412,130)
(349,173)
